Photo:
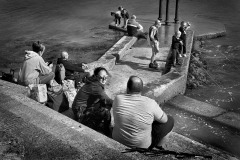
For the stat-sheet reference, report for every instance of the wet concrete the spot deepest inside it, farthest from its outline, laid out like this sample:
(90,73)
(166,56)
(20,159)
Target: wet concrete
(205,130)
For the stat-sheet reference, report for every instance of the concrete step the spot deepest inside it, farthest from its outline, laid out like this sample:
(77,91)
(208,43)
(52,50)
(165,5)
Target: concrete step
(205,123)
(205,109)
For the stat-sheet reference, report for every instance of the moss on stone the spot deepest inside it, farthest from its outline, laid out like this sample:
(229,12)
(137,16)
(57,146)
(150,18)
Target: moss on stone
(197,74)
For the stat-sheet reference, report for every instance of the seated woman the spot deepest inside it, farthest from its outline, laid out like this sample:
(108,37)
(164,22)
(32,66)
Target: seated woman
(92,105)
(34,70)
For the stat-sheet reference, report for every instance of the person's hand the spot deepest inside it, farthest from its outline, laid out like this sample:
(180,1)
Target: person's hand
(50,65)
(84,66)
(42,50)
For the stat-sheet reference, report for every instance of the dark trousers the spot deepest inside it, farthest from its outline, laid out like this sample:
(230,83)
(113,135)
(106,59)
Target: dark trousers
(160,130)
(175,56)
(117,20)
(96,117)
(183,47)
(45,79)
(172,59)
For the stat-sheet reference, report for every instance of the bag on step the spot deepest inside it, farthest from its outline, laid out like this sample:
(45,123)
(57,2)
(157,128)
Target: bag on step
(57,101)
(8,76)
(38,92)
(69,90)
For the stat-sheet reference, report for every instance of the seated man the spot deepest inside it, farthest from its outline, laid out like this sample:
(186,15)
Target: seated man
(139,121)
(135,29)
(34,70)
(75,72)
(91,105)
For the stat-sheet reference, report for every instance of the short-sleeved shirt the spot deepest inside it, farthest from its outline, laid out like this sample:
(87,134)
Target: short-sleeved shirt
(133,117)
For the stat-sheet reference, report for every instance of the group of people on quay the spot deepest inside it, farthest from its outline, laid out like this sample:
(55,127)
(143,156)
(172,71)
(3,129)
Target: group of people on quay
(136,120)
(134,28)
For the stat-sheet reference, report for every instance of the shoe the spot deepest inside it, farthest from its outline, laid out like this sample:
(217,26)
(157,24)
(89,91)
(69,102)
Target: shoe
(151,65)
(160,148)
(184,55)
(180,55)
(178,63)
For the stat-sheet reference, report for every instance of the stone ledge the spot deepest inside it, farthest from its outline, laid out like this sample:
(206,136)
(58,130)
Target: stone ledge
(230,118)
(36,125)
(197,107)
(46,134)
(210,35)
(114,54)
(112,26)
(174,82)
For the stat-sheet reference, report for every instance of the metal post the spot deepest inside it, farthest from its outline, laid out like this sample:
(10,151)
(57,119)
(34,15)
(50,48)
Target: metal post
(160,10)
(176,12)
(167,7)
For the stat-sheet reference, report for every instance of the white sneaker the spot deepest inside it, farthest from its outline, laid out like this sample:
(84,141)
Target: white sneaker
(184,55)
(180,55)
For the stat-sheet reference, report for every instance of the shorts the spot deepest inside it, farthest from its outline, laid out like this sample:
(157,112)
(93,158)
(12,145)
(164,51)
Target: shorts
(160,130)
(155,48)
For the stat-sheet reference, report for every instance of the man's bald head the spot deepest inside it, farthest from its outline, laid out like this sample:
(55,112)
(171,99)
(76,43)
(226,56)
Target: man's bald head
(134,85)
(64,55)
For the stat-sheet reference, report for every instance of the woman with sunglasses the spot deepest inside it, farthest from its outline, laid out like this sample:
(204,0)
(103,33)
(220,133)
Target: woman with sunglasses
(92,105)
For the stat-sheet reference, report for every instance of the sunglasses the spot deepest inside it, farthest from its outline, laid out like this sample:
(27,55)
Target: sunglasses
(103,78)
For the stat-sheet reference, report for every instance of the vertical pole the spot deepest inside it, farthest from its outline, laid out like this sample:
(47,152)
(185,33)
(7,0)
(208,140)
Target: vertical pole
(160,10)
(167,7)
(176,12)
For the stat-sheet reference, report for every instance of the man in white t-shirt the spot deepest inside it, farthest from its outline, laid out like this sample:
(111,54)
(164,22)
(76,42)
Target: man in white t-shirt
(139,121)
(154,42)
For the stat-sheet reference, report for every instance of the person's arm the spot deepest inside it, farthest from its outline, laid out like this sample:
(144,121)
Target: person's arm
(104,98)
(152,33)
(159,115)
(163,118)
(43,67)
(140,27)
(43,50)
(70,66)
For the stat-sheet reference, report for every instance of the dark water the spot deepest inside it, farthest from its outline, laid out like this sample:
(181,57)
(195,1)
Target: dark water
(222,56)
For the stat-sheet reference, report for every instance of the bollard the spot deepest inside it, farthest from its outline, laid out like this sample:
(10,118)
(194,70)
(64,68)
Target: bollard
(167,8)
(160,10)
(176,12)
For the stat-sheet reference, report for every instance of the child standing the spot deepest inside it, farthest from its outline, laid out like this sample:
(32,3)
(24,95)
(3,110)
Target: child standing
(117,17)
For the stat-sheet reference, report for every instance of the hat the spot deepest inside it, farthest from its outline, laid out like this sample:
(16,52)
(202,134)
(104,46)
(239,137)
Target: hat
(133,17)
